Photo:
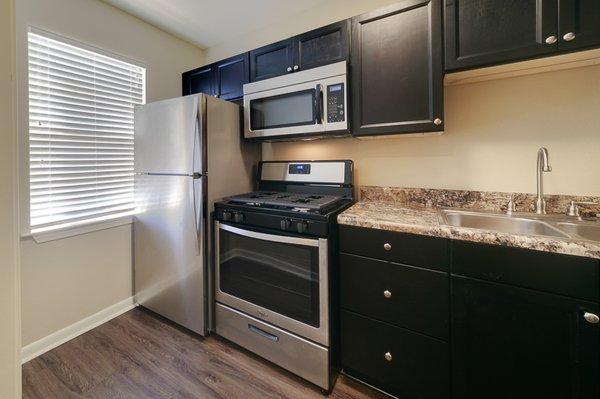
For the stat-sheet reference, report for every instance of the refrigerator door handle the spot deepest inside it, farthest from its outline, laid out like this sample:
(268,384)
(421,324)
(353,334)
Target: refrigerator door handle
(198,211)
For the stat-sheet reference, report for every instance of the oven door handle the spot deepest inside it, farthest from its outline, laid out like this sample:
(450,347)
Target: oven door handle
(307,242)
(319,111)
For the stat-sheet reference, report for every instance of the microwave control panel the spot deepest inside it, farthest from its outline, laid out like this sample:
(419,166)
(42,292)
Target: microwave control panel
(335,103)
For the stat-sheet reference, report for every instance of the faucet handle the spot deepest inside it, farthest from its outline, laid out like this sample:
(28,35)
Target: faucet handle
(573,209)
(511,206)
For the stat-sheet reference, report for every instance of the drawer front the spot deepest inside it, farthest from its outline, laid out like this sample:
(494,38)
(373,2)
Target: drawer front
(560,274)
(407,296)
(410,249)
(405,364)
(274,344)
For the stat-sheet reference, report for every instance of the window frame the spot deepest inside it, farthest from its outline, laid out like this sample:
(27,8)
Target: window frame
(68,228)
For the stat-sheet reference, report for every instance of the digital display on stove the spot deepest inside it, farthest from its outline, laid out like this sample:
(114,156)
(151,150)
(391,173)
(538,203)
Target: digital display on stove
(299,169)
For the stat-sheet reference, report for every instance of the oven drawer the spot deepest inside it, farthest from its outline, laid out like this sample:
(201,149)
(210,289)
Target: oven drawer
(304,358)
(407,296)
(410,249)
(405,364)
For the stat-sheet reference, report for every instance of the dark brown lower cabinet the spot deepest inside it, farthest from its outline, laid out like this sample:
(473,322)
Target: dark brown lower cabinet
(406,364)
(510,342)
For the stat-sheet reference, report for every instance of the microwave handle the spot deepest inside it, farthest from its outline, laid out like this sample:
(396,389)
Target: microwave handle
(319,103)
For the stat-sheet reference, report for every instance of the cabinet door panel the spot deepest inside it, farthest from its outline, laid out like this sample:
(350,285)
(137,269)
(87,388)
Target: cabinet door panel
(416,366)
(510,342)
(397,69)
(483,32)
(201,80)
(232,74)
(271,60)
(582,19)
(323,46)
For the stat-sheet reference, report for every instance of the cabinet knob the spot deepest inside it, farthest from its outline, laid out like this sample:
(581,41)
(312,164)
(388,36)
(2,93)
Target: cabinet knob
(569,36)
(289,69)
(551,39)
(437,121)
(388,356)
(387,246)
(387,294)
(591,318)
(296,67)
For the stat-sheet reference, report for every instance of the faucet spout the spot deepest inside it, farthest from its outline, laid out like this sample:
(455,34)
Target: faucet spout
(543,165)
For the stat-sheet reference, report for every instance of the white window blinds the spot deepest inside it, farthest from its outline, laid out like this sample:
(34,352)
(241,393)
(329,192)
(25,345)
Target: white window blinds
(80,134)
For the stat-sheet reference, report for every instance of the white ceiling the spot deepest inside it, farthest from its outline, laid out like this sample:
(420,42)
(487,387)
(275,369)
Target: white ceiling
(207,23)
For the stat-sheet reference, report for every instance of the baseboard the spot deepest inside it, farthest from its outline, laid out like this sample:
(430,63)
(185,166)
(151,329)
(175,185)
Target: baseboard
(59,337)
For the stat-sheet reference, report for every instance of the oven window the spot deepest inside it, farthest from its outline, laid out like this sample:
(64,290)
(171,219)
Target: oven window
(280,277)
(285,110)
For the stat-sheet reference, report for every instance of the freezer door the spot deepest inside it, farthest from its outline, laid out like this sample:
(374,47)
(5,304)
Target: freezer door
(167,135)
(169,252)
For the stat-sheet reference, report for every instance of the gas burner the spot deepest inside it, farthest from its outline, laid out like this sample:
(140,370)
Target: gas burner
(303,200)
(287,200)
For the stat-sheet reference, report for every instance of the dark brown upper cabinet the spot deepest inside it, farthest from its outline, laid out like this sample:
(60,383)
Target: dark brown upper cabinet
(200,80)
(487,32)
(397,69)
(224,79)
(579,24)
(231,75)
(271,60)
(322,46)
(318,47)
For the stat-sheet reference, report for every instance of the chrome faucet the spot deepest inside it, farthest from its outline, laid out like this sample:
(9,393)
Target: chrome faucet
(542,166)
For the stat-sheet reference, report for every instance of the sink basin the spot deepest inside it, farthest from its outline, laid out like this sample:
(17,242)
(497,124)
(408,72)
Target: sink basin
(585,231)
(501,223)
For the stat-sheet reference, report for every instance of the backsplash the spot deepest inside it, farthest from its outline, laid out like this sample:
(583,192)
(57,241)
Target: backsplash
(482,200)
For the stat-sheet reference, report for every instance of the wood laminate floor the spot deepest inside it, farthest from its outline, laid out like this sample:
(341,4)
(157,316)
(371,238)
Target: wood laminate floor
(139,355)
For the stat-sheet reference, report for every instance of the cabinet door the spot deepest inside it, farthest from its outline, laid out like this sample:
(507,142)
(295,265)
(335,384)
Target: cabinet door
(397,69)
(322,46)
(231,75)
(201,80)
(579,24)
(273,60)
(483,32)
(510,342)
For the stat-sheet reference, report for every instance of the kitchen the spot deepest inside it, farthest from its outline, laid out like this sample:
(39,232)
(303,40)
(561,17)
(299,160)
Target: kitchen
(442,280)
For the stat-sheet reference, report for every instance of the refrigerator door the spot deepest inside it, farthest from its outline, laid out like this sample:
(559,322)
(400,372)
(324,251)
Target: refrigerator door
(166,135)
(169,253)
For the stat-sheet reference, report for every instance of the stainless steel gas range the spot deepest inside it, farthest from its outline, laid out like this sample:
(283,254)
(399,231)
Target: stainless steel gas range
(275,254)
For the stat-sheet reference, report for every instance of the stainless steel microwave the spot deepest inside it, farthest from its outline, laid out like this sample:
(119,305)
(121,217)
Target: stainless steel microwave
(302,104)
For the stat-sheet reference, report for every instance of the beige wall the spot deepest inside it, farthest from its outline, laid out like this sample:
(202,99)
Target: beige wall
(10,370)
(67,280)
(493,129)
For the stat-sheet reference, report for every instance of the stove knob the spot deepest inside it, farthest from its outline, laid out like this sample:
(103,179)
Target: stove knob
(238,217)
(302,226)
(226,216)
(285,224)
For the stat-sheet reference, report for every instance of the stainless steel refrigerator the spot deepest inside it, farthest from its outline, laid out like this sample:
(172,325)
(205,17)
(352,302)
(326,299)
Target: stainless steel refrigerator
(188,154)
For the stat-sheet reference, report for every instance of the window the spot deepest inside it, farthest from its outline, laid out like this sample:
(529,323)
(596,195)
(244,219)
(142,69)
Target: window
(80,134)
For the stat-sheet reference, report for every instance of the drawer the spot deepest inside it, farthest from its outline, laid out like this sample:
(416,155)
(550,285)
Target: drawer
(410,249)
(407,296)
(304,358)
(416,366)
(556,273)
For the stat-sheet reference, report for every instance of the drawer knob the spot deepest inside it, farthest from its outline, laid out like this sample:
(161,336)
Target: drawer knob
(591,318)
(569,36)
(388,356)
(551,39)
(387,246)
(387,294)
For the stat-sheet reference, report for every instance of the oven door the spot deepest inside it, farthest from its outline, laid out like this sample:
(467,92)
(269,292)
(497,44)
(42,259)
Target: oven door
(282,280)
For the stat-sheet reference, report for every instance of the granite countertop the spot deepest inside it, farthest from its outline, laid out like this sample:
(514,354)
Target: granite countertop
(426,221)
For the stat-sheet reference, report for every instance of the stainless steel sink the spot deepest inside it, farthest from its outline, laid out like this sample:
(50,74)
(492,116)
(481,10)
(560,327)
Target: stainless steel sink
(585,231)
(501,223)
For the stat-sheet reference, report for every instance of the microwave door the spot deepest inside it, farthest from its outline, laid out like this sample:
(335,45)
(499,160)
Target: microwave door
(290,110)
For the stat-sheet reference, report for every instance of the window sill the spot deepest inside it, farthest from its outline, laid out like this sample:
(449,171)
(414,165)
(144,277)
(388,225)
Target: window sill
(71,231)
